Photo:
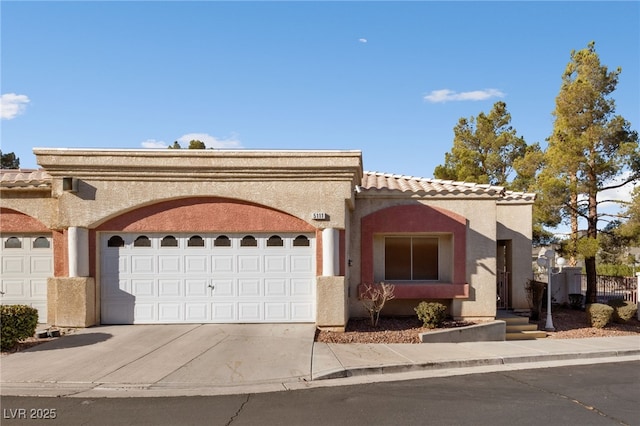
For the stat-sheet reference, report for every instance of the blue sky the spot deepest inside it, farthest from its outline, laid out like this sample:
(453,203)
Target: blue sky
(389,78)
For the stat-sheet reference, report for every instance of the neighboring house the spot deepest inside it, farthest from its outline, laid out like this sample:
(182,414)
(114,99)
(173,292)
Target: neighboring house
(174,236)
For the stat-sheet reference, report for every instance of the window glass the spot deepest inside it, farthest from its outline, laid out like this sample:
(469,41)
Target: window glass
(249,241)
(195,241)
(41,242)
(169,241)
(301,241)
(115,241)
(222,241)
(425,258)
(397,258)
(142,241)
(411,258)
(275,241)
(12,242)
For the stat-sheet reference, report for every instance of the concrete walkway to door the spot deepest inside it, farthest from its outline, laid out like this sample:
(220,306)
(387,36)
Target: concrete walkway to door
(163,357)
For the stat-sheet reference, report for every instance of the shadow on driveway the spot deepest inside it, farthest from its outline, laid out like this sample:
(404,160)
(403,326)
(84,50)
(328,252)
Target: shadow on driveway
(71,341)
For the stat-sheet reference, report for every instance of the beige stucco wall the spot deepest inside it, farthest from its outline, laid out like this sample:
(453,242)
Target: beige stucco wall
(515,224)
(112,182)
(37,204)
(480,253)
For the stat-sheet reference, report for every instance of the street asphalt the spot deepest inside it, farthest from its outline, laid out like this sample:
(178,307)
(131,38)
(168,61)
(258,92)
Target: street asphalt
(215,359)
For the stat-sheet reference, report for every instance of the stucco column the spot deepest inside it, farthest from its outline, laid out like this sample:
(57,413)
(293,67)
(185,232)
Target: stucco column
(78,250)
(330,252)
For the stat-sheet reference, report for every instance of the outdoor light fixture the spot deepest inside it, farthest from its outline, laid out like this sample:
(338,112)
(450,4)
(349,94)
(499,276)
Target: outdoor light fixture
(546,259)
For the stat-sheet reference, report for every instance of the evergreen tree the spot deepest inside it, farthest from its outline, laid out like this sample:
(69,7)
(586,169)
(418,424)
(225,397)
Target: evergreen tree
(9,160)
(589,148)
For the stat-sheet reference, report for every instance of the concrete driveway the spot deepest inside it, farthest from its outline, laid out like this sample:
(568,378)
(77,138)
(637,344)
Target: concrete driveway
(177,355)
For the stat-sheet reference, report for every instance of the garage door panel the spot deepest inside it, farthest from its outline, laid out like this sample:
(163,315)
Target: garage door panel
(169,264)
(224,287)
(301,264)
(224,312)
(275,264)
(197,312)
(273,281)
(248,287)
(13,265)
(39,288)
(248,264)
(41,265)
(145,312)
(15,289)
(301,311)
(249,311)
(142,288)
(222,264)
(195,264)
(276,311)
(169,287)
(196,287)
(114,264)
(275,287)
(301,287)
(142,264)
(170,312)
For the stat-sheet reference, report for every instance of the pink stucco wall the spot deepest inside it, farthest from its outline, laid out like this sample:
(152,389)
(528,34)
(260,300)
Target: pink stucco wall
(412,218)
(14,221)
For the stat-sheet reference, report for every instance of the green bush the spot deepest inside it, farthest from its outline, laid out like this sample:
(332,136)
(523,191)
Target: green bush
(432,314)
(599,314)
(17,322)
(623,310)
(576,300)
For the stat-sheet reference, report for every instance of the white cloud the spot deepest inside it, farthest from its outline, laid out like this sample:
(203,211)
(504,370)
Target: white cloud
(210,141)
(152,143)
(12,105)
(363,40)
(446,95)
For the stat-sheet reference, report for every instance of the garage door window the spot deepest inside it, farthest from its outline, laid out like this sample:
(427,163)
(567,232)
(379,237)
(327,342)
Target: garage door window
(301,241)
(195,241)
(275,241)
(41,242)
(249,241)
(12,243)
(115,241)
(169,241)
(222,241)
(142,241)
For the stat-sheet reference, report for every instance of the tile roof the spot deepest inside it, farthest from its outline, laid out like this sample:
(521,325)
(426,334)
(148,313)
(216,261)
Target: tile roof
(25,178)
(375,182)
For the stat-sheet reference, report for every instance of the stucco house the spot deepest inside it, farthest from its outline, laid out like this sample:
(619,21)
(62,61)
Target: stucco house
(110,236)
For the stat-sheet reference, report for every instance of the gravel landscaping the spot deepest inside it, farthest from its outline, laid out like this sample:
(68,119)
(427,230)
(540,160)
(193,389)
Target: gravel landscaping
(569,324)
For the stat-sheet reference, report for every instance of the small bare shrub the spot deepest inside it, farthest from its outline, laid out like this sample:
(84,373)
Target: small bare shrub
(599,314)
(374,297)
(432,314)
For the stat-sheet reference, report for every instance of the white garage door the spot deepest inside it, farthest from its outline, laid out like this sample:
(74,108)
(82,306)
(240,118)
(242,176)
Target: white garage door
(27,262)
(173,278)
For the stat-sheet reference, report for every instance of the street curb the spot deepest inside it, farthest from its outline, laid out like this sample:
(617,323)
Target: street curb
(478,362)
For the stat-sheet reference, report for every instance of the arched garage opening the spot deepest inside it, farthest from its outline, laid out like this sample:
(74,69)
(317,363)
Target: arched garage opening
(206,260)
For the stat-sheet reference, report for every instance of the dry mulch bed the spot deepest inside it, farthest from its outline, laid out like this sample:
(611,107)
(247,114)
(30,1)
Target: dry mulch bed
(569,324)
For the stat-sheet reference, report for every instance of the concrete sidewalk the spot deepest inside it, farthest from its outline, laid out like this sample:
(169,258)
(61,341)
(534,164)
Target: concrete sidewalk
(215,359)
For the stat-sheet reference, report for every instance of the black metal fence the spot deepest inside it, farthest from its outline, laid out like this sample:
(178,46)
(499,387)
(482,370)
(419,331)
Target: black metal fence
(610,288)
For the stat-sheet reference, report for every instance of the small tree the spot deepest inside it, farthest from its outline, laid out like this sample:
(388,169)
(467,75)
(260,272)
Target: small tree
(374,297)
